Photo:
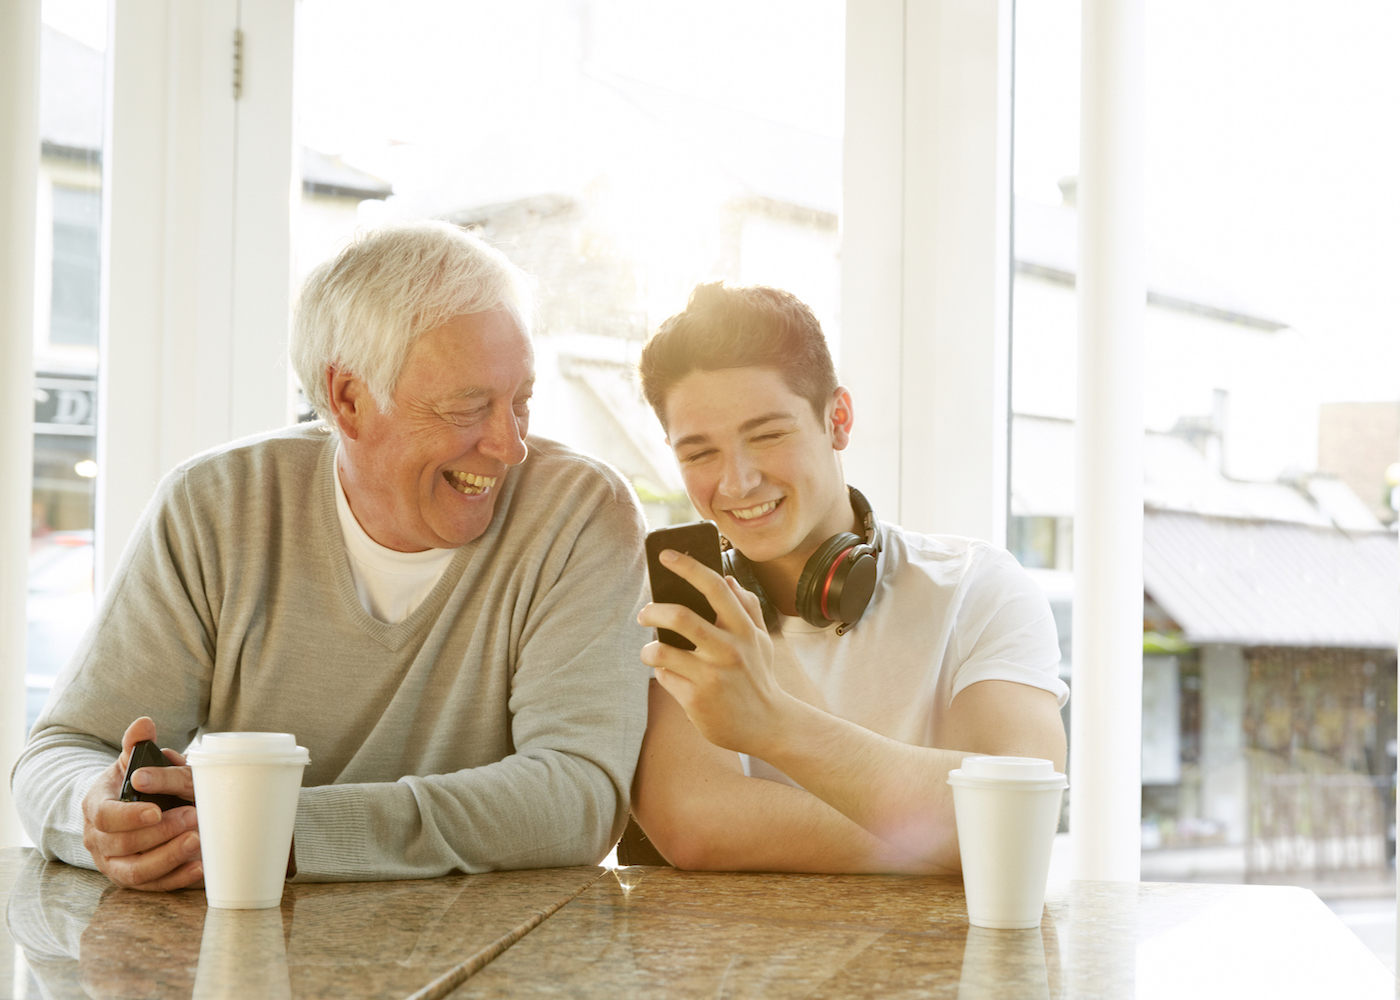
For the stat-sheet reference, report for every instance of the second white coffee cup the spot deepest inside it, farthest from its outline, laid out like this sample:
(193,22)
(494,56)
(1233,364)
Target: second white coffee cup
(246,788)
(1007,810)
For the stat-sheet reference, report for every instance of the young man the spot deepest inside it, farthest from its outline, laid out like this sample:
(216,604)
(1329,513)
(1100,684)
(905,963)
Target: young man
(825,743)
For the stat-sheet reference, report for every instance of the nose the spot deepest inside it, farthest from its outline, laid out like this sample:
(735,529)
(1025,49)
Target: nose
(738,477)
(504,439)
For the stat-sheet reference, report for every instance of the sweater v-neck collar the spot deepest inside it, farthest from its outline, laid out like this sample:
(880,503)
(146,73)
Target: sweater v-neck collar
(391,637)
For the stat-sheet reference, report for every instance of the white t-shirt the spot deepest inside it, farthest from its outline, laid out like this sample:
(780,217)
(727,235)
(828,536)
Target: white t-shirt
(390,584)
(947,612)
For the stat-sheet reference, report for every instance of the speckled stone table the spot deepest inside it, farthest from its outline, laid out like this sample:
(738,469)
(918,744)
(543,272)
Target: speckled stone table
(72,934)
(655,932)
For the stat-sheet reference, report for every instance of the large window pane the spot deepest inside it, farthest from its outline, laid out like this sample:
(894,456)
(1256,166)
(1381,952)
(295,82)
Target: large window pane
(68,263)
(1272,402)
(77,237)
(621,151)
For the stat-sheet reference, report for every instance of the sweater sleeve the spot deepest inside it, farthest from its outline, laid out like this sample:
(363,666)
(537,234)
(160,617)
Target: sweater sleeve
(577,711)
(148,651)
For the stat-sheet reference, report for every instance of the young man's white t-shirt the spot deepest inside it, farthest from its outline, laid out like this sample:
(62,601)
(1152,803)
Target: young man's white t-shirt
(947,612)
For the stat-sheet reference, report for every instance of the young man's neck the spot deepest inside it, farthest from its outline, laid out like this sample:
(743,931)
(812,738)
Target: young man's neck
(779,576)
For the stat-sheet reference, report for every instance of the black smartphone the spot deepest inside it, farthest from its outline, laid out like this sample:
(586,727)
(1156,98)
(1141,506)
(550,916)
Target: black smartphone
(147,754)
(700,541)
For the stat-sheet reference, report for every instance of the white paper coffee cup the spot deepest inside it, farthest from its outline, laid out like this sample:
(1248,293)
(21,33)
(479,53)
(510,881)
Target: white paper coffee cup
(246,787)
(1007,811)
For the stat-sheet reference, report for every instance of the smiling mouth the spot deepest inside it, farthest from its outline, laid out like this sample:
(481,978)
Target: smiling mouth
(749,513)
(468,483)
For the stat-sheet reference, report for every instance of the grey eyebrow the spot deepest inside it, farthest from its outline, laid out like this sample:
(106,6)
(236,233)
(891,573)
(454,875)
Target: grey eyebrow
(476,392)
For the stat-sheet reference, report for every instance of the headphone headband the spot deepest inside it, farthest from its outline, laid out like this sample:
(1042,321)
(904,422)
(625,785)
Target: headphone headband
(866,515)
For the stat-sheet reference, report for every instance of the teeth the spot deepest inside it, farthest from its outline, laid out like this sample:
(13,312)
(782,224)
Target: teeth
(749,513)
(469,483)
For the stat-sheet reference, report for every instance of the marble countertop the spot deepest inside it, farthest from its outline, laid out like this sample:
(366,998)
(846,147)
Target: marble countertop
(658,932)
(80,936)
(654,932)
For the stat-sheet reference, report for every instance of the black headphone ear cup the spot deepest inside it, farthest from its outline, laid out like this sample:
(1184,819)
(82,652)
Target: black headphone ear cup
(817,572)
(853,585)
(738,567)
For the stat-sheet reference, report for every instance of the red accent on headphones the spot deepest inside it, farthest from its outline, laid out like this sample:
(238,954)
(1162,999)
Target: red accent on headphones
(826,587)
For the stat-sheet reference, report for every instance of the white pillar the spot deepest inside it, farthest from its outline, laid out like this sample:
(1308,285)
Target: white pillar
(926,259)
(19,182)
(872,247)
(199,186)
(1105,744)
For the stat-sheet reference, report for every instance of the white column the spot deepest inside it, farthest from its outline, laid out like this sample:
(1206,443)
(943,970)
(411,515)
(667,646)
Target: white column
(926,259)
(872,248)
(1105,766)
(267,183)
(199,187)
(19,183)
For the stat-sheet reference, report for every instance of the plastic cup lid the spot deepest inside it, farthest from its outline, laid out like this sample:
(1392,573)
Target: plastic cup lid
(1022,771)
(258,748)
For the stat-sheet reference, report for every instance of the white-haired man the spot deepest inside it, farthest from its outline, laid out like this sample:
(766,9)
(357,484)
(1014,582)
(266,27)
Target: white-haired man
(440,608)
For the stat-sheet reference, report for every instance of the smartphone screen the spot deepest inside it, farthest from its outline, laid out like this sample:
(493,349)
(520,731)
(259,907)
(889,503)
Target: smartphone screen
(700,541)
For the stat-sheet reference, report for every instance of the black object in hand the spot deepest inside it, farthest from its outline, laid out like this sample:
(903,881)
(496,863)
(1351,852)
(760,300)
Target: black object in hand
(700,541)
(147,754)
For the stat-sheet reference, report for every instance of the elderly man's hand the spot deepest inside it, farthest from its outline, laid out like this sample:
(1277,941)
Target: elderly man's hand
(727,684)
(133,843)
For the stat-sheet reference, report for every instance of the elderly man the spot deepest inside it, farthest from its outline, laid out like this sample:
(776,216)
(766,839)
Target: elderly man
(440,608)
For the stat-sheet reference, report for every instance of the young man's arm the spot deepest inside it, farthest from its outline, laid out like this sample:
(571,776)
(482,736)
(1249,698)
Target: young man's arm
(898,792)
(700,810)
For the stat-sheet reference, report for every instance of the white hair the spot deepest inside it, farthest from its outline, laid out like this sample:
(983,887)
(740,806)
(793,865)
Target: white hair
(362,311)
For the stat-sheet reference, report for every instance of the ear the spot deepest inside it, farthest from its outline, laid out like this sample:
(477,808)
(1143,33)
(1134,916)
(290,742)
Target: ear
(349,399)
(841,418)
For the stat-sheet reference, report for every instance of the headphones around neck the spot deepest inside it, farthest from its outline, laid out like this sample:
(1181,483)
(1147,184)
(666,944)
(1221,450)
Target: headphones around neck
(836,583)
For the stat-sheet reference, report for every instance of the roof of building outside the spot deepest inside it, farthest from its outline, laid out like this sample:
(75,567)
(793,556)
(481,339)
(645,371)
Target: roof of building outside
(1265,583)
(322,173)
(1047,244)
(1176,477)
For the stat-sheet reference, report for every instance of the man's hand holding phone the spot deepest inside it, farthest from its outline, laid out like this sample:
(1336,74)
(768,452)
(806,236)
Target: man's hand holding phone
(726,684)
(137,844)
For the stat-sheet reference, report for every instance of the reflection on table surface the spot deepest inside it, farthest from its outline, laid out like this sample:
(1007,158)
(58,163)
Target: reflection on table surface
(662,933)
(82,937)
(655,932)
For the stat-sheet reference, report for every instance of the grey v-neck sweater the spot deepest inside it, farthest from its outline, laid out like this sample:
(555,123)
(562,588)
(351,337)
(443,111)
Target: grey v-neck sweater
(496,727)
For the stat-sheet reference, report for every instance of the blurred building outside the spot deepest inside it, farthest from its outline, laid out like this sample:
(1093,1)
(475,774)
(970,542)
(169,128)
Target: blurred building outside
(1270,604)
(1359,443)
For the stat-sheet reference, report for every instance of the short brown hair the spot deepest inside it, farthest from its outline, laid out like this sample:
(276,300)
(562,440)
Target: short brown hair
(751,326)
